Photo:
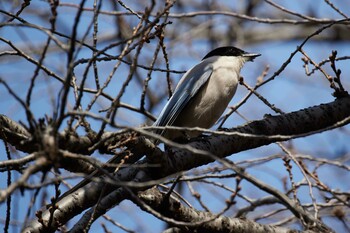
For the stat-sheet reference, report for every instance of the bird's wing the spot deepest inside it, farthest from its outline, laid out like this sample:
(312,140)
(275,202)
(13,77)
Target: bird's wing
(187,88)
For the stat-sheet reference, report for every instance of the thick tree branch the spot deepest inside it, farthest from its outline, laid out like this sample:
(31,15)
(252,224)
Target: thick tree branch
(205,150)
(173,208)
(259,133)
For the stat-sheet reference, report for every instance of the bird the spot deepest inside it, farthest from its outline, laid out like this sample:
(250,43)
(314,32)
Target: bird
(203,93)
(199,99)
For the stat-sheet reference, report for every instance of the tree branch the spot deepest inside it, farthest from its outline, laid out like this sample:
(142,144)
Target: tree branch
(177,211)
(205,150)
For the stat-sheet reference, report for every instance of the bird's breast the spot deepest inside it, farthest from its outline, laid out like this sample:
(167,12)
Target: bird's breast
(211,100)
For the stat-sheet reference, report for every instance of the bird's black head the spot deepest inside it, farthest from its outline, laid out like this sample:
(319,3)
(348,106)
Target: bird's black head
(225,51)
(231,51)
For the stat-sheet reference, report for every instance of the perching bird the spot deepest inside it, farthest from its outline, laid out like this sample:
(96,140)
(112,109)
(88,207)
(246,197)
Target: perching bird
(204,92)
(200,97)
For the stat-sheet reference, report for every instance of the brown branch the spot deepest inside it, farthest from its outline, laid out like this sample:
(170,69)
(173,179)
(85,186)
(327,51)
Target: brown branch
(177,211)
(205,150)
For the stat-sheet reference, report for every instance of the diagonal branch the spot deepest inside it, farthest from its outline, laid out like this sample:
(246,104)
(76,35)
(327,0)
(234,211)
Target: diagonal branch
(205,150)
(177,211)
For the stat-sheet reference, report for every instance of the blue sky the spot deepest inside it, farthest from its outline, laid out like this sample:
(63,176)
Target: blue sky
(291,90)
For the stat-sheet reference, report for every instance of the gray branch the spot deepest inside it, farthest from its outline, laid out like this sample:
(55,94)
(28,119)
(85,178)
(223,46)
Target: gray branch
(200,152)
(173,208)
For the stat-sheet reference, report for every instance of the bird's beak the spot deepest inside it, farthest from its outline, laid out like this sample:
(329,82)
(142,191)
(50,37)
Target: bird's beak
(251,56)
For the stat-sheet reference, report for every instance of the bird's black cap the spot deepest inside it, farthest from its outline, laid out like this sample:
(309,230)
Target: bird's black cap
(229,51)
